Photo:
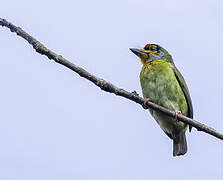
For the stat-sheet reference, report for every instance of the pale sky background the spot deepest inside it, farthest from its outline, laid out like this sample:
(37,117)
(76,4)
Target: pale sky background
(56,125)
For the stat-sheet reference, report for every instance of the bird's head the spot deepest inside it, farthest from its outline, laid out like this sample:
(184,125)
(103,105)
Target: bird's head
(152,52)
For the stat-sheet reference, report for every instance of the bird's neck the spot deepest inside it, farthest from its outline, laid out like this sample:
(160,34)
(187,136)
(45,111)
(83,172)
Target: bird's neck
(153,62)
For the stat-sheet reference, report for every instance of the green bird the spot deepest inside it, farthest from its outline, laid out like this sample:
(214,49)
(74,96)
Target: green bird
(164,85)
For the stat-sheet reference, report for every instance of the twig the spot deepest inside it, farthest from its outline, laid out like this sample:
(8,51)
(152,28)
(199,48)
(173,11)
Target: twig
(104,85)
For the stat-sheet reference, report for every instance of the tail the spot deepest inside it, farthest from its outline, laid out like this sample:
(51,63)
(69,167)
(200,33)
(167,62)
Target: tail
(179,145)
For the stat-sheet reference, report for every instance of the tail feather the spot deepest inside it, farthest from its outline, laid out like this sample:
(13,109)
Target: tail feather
(179,145)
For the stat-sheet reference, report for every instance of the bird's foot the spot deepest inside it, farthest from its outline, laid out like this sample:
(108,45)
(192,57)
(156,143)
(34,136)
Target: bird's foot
(144,103)
(176,113)
(135,93)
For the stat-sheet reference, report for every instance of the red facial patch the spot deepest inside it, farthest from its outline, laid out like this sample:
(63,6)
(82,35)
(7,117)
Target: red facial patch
(147,46)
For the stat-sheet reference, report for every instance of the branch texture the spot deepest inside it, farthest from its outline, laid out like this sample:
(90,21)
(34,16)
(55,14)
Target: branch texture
(104,85)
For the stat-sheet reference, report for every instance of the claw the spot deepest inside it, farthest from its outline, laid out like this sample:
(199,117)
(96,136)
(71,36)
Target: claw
(144,103)
(135,93)
(176,113)
(190,128)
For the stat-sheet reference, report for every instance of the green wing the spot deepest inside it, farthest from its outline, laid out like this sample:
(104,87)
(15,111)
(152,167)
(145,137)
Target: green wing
(183,86)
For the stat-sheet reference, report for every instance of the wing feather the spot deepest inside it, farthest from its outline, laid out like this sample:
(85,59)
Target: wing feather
(184,87)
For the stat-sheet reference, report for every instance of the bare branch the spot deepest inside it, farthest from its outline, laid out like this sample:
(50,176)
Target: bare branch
(104,85)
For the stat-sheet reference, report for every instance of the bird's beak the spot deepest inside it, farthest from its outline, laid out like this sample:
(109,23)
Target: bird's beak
(138,52)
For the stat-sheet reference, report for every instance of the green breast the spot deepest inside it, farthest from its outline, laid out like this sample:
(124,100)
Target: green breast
(159,83)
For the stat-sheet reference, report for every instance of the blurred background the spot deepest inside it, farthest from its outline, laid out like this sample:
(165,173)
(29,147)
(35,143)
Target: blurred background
(56,125)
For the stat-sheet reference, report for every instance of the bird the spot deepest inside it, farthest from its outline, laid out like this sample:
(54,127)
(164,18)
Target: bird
(163,84)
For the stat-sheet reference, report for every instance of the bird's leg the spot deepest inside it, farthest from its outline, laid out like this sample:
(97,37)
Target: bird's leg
(176,113)
(144,103)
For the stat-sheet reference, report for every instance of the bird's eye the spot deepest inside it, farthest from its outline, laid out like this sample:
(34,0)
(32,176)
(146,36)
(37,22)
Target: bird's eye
(152,48)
